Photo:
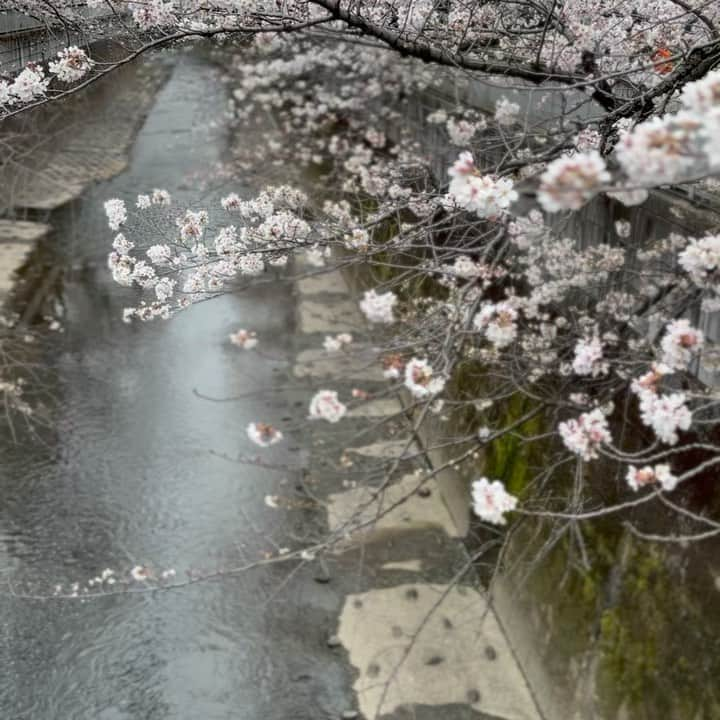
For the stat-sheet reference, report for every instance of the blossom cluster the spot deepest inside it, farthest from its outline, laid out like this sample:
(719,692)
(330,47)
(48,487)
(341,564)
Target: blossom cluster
(491,501)
(589,358)
(679,344)
(584,435)
(659,474)
(498,322)
(379,307)
(421,380)
(72,65)
(570,181)
(484,195)
(31,83)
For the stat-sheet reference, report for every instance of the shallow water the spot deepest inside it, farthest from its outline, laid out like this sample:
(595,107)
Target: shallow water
(130,476)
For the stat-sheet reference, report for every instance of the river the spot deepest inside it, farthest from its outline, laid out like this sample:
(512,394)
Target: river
(132,475)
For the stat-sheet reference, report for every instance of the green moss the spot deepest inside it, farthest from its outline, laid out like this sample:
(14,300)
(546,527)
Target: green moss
(514,458)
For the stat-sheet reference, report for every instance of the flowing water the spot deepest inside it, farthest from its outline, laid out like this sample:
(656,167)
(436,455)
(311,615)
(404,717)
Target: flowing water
(132,475)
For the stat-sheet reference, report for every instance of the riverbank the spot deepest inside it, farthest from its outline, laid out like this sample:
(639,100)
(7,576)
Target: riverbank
(416,627)
(58,151)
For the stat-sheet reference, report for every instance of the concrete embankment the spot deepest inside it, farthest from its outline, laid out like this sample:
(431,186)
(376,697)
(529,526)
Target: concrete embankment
(58,150)
(17,238)
(416,625)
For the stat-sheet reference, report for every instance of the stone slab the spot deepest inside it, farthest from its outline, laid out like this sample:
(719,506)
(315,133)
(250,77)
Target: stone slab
(387,449)
(354,365)
(383,407)
(329,282)
(22,231)
(432,644)
(359,506)
(12,256)
(328,317)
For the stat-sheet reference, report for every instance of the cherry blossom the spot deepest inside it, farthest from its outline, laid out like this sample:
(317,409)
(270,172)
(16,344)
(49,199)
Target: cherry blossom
(420,379)
(660,474)
(679,344)
(263,434)
(244,339)
(379,307)
(393,366)
(340,341)
(569,182)
(116,213)
(506,112)
(665,414)
(460,131)
(584,435)
(140,573)
(659,150)
(589,358)
(701,258)
(30,84)
(72,64)
(497,321)
(482,194)
(491,501)
(325,405)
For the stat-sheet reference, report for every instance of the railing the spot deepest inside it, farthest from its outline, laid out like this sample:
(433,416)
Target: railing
(24,39)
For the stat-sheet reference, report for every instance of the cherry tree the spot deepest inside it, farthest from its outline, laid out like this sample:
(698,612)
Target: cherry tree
(481,299)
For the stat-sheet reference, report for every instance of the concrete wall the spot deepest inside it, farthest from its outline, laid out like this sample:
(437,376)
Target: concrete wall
(24,39)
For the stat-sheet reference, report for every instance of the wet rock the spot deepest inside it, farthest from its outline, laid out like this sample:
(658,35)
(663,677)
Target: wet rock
(435,660)
(323,573)
(349,715)
(334,641)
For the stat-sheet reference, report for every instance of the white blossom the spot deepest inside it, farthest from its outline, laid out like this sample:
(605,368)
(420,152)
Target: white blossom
(584,435)
(570,181)
(251,264)
(660,474)
(378,307)
(421,380)
(665,414)
(506,112)
(497,321)
(244,339)
(72,64)
(589,358)
(491,501)
(164,289)
(333,344)
(701,258)
(159,254)
(263,434)
(31,83)
(116,213)
(482,194)
(679,344)
(326,406)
